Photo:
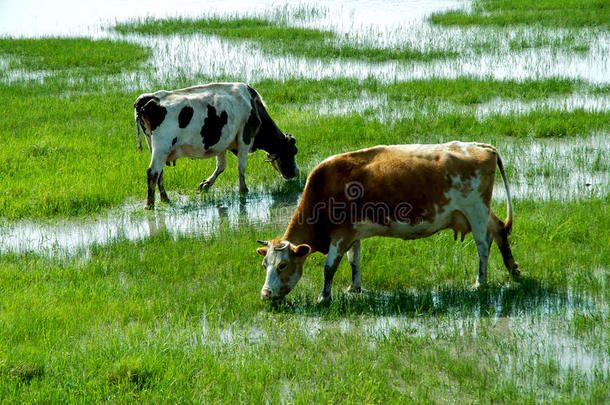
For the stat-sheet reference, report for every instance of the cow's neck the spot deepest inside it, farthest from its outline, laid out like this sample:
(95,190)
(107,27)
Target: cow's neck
(269,137)
(298,234)
(305,228)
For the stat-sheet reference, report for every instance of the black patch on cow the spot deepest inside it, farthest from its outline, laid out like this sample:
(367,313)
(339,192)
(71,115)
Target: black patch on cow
(141,101)
(252,125)
(212,127)
(174,141)
(185,116)
(154,112)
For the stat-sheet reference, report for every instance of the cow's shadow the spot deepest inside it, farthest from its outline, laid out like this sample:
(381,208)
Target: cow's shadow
(526,296)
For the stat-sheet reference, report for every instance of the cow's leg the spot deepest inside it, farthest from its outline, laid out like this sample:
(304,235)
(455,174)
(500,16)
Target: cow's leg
(353,256)
(333,258)
(500,236)
(483,243)
(242,156)
(162,192)
(152,173)
(478,219)
(221,165)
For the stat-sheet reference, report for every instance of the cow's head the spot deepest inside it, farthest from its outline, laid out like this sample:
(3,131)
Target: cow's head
(283,263)
(284,160)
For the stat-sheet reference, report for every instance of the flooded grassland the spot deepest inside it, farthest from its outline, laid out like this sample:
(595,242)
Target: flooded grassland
(101,300)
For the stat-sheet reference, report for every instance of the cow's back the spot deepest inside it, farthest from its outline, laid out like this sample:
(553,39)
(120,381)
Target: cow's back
(233,98)
(418,177)
(213,113)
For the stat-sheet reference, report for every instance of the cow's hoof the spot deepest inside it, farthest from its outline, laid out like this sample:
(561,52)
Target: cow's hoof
(243,190)
(324,299)
(165,199)
(205,185)
(354,290)
(149,207)
(515,273)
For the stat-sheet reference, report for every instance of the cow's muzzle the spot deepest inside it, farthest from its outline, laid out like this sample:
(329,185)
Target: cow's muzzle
(291,175)
(266,294)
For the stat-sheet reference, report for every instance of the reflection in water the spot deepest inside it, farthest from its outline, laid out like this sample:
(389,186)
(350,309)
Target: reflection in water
(156,222)
(132,222)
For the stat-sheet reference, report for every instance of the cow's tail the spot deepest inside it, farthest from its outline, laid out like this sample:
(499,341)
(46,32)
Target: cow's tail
(137,118)
(138,107)
(508,223)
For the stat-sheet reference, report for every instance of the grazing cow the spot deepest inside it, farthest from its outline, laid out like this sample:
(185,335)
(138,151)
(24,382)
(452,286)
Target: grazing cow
(205,121)
(402,191)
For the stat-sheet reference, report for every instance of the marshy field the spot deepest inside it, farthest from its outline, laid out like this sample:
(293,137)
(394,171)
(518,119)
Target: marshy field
(102,300)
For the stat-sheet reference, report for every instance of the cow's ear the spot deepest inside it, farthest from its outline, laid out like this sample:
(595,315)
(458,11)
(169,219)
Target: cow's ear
(302,250)
(262,251)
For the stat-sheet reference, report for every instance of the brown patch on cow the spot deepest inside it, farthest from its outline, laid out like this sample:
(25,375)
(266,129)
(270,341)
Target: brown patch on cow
(464,186)
(173,156)
(287,272)
(418,178)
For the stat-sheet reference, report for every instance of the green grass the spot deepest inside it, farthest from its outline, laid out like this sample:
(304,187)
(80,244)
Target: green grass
(164,320)
(548,13)
(459,91)
(57,54)
(279,38)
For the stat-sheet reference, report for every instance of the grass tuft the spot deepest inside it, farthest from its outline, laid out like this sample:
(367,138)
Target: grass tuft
(81,54)
(548,13)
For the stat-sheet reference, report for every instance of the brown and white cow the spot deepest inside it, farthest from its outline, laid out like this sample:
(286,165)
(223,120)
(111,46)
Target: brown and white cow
(401,191)
(205,121)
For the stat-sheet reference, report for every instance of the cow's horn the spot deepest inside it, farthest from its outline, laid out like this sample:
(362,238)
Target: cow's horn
(283,245)
(263,242)
(271,158)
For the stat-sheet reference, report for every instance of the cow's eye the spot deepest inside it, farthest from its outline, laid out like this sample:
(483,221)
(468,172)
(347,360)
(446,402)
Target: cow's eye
(282,266)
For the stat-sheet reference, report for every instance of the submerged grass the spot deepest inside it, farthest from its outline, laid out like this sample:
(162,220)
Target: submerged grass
(279,38)
(549,13)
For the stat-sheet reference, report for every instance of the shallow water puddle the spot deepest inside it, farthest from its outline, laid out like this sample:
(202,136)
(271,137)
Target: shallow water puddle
(539,319)
(378,107)
(131,222)
(375,23)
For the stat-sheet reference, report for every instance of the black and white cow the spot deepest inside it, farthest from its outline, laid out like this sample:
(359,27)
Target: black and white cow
(205,121)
